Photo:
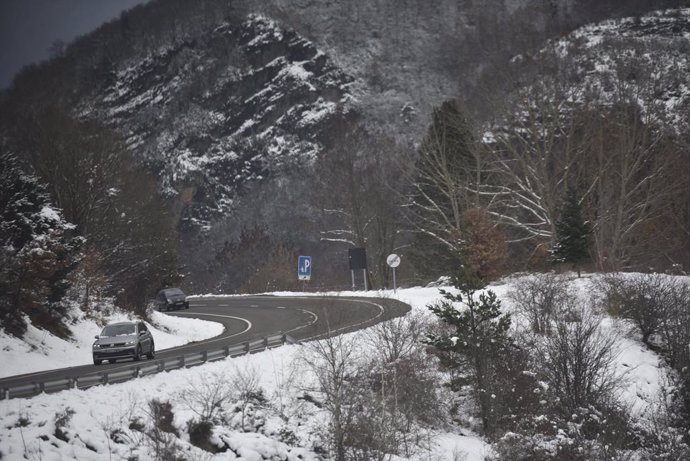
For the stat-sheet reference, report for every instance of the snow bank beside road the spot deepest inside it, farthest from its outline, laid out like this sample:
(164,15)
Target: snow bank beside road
(40,350)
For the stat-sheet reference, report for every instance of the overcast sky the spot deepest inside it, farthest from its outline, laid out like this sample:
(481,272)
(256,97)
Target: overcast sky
(29,27)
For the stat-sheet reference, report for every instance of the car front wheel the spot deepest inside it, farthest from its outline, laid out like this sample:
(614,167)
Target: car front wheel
(97,362)
(152,351)
(137,354)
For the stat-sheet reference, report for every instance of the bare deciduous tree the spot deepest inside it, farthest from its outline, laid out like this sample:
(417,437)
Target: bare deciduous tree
(334,366)
(447,177)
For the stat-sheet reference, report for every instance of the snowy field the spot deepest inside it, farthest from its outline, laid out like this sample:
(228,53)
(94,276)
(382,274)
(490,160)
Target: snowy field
(275,430)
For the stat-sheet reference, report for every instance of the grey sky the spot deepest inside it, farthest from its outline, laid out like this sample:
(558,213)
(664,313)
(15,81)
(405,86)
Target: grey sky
(29,27)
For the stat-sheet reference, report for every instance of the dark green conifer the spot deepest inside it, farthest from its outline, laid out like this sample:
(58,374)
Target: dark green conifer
(572,233)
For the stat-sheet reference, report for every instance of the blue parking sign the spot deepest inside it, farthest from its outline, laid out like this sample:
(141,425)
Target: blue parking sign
(304,268)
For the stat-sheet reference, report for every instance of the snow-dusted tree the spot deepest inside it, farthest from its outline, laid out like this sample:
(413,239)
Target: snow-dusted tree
(534,156)
(479,336)
(572,233)
(36,252)
(635,184)
(446,178)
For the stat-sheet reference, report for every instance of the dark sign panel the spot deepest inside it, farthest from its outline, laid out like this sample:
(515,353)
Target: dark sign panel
(358,258)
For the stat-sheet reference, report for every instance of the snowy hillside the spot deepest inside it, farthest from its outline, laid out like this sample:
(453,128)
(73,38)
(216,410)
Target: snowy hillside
(280,417)
(214,114)
(643,60)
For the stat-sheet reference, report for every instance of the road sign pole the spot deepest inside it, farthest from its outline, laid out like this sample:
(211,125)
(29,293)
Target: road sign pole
(353,280)
(364,273)
(393,261)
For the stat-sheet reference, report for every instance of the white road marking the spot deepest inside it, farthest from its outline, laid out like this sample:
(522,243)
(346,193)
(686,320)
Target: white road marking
(249,326)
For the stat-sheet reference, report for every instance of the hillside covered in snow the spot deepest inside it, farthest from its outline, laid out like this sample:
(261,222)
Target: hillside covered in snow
(272,405)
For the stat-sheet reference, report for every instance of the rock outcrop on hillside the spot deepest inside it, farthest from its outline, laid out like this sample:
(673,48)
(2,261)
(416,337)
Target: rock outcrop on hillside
(231,107)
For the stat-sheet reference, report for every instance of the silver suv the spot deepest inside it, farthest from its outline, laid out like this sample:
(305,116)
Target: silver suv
(123,340)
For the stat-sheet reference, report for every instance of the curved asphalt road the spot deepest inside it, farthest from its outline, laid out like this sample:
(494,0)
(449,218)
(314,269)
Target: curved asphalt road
(247,318)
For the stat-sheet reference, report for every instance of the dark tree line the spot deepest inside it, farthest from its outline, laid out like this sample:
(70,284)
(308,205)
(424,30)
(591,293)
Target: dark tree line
(109,201)
(38,250)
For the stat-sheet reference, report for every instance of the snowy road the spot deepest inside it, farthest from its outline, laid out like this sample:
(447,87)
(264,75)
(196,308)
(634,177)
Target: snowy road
(247,318)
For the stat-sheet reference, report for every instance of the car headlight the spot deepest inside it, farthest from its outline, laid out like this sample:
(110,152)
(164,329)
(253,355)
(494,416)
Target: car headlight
(130,343)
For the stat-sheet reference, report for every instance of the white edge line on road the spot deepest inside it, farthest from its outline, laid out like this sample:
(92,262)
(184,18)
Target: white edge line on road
(249,324)
(314,316)
(381,310)
(249,327)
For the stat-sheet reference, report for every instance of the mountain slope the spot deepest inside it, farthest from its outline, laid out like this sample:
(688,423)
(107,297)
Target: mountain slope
(216,113)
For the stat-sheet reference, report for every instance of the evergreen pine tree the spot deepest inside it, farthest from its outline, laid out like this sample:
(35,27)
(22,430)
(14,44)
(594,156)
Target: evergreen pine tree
(572,233)
(479,337)
(36,254)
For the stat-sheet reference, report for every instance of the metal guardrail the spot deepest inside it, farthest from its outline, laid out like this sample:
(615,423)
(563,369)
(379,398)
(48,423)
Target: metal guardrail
(144,369)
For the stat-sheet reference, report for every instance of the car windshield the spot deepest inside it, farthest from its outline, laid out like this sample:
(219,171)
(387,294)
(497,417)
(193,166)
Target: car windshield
(173,292)
(118,330)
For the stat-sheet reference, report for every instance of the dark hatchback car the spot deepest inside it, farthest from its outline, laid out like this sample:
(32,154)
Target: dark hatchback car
(123,340)
(171,298)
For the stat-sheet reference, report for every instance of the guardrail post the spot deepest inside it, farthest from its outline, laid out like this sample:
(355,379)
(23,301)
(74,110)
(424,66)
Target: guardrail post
(75,382)
(104,378)
(265,342)
(137,372)
(161,365)
(226,349)
(41,387)
(6,393)
(246,347)
(284,339)
(181,361)
(204,356)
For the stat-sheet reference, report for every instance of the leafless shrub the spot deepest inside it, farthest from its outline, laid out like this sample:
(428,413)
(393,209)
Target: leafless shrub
(200,433)
(398,337)
(396,401)
(577,361)
(161,434)
(206,396)
(675,328)
(663,438)
(658,305)
(245,390)
(541,298)
(62,419)
(333,363)
(640,298)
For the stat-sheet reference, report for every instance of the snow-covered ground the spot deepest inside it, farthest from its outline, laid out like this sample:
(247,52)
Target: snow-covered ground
(29,425)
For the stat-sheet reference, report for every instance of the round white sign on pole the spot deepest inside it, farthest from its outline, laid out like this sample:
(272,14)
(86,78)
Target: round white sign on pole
(393,260)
